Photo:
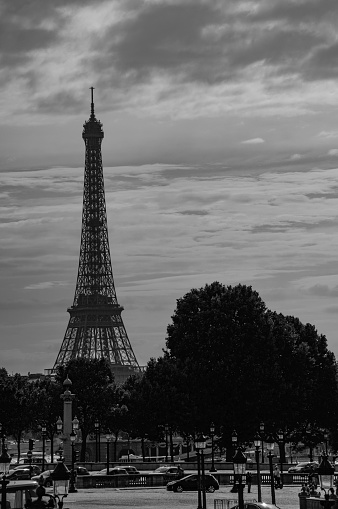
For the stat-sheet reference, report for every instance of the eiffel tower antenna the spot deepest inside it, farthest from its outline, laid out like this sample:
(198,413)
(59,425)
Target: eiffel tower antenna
(95,329)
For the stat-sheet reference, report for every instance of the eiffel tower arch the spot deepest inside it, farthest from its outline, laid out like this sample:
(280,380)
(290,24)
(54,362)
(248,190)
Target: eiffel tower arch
(95,329)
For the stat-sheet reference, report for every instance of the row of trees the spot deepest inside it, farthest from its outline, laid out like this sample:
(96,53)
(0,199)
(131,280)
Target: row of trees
(228,360)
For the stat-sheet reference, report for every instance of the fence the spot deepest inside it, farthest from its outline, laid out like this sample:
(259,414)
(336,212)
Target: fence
(227,503)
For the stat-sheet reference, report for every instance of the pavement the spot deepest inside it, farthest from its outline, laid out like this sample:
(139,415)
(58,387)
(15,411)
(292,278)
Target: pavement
(159,498)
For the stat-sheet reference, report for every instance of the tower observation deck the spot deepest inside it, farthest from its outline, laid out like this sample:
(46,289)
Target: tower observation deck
(95,329)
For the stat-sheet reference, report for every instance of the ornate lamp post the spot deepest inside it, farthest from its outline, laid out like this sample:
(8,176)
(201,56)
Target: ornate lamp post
(96,426)
(326,436)
(166,429)
(326,476)
(212,434)
(60,477)
(240,460)
(200,445)
(281,454)
(59,426)
(72,488)
(257,442)
(43,434)
(270,444)
(108,438)
(261,431)
(4,468)
(29,456)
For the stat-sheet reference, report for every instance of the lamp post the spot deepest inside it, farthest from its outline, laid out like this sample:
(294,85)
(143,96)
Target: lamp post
(257,442)
(4,468)
(326,476)
(281,454)
(43,433)
(60,477)
(29,456)
(261,431)
(234,488)
(72,488)
(212,434)
(239,461)
(108,438)
(326,436)
(166,429)
(200,445)
(96,425)
(270,444)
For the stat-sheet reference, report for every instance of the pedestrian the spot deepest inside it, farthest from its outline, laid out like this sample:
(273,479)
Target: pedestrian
(277,478)
(249,480)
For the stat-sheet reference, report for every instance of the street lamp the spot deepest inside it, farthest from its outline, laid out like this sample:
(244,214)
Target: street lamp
(261,431)
(29,456)
(212,434)
(239,461)
(96,425)
(270,444)
(200,445)
(4,469)
(257,442)
(166,429)
(326,436)
(59,426)
(60,477)
(75,424)
(108,438)
(326,477)
(72,488)
(43,433)
(280,435)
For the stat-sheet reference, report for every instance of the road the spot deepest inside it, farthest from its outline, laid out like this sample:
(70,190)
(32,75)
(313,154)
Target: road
(159,498)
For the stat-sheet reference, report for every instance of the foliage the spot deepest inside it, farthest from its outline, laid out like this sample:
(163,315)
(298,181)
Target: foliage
(94,388)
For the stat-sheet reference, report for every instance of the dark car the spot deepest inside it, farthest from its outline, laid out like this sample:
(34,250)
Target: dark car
(132,472)
(113,471)
(35,469)
(190,483)
(44,478)
(304,467)
(170,472)
(256,505)
(81,471)
(20,474)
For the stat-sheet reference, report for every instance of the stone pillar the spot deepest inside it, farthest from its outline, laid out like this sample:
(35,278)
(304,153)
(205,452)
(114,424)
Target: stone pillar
(67,397)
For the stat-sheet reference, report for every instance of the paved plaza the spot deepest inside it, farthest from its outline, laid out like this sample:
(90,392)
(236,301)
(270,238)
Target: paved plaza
(159,498)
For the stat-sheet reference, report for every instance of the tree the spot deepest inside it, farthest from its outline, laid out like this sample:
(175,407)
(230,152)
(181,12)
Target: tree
(243,363)
(48,406)
(94,387)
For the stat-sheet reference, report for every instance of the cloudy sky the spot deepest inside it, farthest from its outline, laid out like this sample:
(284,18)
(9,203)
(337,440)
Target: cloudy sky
(220,159)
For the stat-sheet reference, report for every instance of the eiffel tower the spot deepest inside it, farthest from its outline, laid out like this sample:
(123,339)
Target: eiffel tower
(95,329)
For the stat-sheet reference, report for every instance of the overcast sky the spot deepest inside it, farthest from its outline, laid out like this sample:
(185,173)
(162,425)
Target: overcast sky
(220,159)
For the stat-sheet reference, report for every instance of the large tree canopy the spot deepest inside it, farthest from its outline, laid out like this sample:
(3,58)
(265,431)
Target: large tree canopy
(244,363)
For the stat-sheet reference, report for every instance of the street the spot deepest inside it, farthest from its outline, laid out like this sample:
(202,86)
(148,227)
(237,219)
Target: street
(159,498)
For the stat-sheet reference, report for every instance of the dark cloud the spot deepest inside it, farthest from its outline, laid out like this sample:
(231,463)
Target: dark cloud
(194,212)
(323,291)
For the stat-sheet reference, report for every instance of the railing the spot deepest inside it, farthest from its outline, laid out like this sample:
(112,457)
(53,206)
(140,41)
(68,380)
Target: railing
(157,480)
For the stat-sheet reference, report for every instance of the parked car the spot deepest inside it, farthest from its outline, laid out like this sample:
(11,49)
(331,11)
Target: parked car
(132,472)
(47,480)
(112,471)
(304,467)
(81,471)
(35,469)
(190,483)
(255,505)
(20,474)
(170,472)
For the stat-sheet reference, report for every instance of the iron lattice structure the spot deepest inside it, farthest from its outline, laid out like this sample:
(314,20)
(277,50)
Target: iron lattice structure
(95,329)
